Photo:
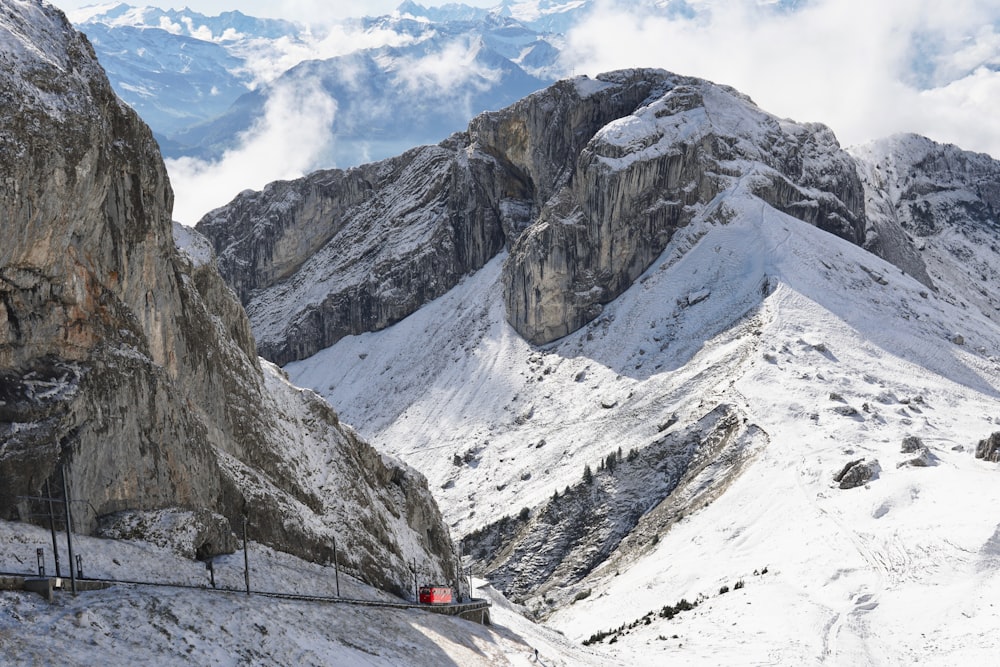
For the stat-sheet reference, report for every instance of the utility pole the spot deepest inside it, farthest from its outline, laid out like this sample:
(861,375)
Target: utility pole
(52,525)
(69,529)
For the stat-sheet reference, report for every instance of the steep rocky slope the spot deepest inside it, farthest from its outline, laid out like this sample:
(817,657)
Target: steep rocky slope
(132,364)
(585,182)
(946,202)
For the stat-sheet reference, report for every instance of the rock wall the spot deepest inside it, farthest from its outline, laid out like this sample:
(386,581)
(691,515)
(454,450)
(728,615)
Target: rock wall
(133,365)
(344,252)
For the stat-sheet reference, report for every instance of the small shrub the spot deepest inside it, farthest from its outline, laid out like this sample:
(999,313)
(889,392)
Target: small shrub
(723,590)
(738,585)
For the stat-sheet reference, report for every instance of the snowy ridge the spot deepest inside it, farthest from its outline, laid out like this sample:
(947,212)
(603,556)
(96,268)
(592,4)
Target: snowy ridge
(832,352)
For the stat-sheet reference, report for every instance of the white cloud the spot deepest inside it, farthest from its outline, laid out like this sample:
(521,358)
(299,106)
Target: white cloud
(847,63)
(286,143)
(453,66)
(266,60)
(169,26)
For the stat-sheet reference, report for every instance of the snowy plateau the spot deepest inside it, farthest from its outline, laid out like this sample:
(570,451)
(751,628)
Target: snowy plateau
(767,450)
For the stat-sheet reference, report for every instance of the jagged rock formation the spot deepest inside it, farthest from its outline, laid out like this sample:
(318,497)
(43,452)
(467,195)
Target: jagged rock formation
(133,365)
(936,206)
(857,473)
(585,182)
(343,252)
(989,448)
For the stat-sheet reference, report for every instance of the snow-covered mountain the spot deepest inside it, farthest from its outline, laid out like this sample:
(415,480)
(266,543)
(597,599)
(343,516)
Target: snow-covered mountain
(751,428)
(764,445)
(549,16)
(179,68)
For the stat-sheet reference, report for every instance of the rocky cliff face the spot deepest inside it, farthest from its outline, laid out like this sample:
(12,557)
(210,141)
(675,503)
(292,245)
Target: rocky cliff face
(936,206)
(585,183)
(133,364)
(343,252)
(646,173)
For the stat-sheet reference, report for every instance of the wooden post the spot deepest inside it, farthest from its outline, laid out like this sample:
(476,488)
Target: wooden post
(69,530)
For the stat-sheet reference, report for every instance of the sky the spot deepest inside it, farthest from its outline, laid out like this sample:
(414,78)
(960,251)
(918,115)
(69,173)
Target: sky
(866,69)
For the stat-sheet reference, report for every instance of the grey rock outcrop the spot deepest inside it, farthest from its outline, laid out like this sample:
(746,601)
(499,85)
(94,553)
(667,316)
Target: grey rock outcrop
(199,534)
(989,448)
(857,473)
(924,457)
(133,365)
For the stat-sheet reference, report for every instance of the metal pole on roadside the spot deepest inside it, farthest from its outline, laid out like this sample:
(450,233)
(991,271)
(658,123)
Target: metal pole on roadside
(52,525)
(246,558)
(336,566)
(69,530)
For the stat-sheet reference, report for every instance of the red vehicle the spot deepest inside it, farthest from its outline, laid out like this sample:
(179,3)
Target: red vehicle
(435,595)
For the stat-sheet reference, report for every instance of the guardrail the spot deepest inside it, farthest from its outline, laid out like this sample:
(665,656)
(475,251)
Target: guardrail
(476,610)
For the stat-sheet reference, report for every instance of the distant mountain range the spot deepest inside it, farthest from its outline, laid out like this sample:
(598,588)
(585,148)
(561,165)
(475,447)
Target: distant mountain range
(202,82)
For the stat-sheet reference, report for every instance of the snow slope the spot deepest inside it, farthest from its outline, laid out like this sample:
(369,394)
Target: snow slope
(834,353)
(129,624)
